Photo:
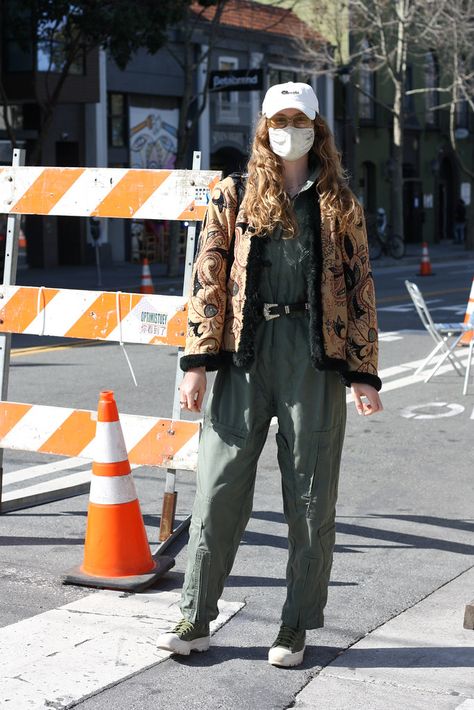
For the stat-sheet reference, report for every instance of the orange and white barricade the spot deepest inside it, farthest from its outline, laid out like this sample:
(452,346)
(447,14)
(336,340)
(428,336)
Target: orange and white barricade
(97,315)
(467,337)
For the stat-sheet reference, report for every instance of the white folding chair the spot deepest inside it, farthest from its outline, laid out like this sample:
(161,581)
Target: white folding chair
(469,357)
(441,334)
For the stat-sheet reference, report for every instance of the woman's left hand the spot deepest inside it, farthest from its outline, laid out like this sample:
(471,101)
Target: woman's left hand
(374,403)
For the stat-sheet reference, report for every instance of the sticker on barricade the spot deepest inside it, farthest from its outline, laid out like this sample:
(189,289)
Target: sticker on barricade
(107,192)
(94,315)
(150,441)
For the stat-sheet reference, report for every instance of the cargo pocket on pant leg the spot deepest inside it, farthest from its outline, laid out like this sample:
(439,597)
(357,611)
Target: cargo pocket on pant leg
(196,596)
(303,607)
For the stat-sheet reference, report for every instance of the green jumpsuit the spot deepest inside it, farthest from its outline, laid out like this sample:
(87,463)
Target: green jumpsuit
(310,408)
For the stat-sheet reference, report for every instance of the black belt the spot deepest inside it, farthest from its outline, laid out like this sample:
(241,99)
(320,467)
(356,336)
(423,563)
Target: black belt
(273,310)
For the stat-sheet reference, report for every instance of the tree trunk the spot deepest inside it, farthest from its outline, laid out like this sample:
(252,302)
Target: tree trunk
(398,78)
(181,154)
(396,188)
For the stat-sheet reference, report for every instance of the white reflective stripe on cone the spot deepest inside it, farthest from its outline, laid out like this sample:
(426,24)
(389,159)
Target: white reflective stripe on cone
(109,443)
(110,490)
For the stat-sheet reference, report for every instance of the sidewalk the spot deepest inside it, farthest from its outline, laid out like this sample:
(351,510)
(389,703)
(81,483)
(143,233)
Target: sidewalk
(422,659)
(439,253)
(122,276)
(126,277)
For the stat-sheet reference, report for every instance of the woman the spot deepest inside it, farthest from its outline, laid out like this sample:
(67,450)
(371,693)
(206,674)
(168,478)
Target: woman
(282,305)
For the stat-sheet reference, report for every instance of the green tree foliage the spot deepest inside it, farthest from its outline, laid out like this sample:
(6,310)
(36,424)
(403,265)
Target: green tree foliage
(57,34)
(120,26)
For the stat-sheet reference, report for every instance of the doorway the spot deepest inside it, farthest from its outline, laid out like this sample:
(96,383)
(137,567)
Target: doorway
(413,213)
(445,201)
(69,233)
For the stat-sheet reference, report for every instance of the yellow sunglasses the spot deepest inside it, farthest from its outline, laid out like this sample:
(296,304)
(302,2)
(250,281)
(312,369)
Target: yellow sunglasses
(279,120)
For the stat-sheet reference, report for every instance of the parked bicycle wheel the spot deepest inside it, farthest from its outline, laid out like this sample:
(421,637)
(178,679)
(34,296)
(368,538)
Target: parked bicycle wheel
(396,246)
(375,246)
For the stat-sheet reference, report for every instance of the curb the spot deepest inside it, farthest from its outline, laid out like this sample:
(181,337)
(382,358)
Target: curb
(415,260)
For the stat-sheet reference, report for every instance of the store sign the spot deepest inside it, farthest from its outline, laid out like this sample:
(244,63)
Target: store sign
(236,80)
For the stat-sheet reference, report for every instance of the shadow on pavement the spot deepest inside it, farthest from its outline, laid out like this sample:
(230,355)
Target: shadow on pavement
(314,656)
(412,657)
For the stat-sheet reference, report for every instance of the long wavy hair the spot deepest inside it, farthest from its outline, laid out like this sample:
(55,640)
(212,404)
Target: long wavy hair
(266,204)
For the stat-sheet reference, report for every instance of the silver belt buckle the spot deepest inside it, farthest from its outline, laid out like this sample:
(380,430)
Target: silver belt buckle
(266,311)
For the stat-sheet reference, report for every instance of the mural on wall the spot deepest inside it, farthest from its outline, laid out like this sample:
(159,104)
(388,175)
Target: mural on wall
(153,145)
(153,137)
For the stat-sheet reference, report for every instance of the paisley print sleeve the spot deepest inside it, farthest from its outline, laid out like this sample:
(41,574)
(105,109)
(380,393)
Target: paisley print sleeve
(207,300)
(362,334)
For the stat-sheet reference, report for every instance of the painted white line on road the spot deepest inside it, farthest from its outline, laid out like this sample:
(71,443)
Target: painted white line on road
(403,381)
(25,474)
(460,309)
(390,336)
(406,307)
(451,410)
(411,379)
(67,654)
(66,483)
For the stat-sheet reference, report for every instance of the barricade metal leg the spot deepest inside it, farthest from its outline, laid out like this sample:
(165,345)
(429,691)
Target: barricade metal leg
(9,279)
(167,532)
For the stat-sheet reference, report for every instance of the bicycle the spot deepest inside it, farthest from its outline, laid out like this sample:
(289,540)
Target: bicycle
(381,239)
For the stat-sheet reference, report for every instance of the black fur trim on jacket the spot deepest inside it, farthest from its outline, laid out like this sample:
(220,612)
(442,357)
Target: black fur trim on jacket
(208,360)
(252,310)
(319,358)
(365,378)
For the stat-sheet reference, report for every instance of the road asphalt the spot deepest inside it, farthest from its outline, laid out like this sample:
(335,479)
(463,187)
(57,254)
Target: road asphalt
(415,653)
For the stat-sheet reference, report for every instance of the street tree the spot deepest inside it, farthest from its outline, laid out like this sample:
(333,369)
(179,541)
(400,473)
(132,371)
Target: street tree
(383,36)
(453,36)
(59,34)
(192,57)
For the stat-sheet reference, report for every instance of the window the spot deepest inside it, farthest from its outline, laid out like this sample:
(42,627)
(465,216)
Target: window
(57,44)
(408,101)
(17,43)
(367,84)
(14,117)
(281,76)
(431,83)
(117,120)
(462,106)
(228,101)
(462,113)
(55,40)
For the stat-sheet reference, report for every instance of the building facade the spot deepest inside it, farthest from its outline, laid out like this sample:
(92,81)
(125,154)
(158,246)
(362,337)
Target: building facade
(121,118)
(433,178)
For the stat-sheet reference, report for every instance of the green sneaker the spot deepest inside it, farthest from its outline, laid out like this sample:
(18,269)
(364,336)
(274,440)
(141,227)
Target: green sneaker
(288,649)
(185,637)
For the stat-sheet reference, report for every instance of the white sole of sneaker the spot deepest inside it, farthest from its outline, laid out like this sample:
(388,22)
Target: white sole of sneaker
(172,642)
(281,657)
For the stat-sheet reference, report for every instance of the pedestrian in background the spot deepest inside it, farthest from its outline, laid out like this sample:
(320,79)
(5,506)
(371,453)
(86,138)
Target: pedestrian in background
(460,222)
(282,305)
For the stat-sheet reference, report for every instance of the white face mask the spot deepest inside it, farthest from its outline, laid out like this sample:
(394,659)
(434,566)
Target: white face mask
(291,143)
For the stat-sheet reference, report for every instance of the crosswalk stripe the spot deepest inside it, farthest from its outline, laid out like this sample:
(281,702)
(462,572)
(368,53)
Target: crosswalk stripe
(67,654)
(413,379)
(71,484)
(25,474)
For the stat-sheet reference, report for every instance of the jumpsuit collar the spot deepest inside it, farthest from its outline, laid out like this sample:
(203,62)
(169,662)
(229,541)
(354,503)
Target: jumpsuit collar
(314,171)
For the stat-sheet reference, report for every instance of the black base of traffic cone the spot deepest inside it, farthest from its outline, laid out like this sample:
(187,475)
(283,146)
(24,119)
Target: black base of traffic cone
(132,583)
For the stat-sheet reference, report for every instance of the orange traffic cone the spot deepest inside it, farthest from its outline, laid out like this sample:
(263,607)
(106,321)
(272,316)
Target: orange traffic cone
(116,550)
(425,266)
(467,337)
(146,284)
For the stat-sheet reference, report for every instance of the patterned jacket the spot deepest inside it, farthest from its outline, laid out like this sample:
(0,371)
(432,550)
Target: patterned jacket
(224,307)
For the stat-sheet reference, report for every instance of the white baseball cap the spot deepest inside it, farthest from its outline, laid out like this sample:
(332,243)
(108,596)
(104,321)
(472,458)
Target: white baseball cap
(293,94)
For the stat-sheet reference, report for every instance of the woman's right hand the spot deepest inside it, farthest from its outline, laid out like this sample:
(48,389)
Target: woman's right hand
(193,389)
